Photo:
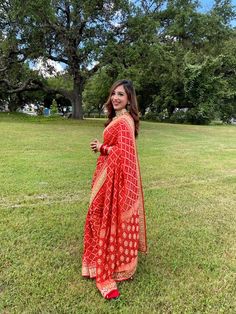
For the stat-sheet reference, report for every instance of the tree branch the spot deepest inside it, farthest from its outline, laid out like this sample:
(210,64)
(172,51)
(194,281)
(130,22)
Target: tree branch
(94,69)
(6,82)
(34,85)
(54,58)
(3,69)
(28,85)
(66,12)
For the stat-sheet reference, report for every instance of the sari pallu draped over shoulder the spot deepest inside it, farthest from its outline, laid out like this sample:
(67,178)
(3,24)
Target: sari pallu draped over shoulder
(115,228)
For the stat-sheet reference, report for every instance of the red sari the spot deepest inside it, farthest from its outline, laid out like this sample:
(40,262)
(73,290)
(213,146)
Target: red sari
(115,228)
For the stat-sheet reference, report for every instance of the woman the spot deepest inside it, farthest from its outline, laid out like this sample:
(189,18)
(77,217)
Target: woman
(115,227)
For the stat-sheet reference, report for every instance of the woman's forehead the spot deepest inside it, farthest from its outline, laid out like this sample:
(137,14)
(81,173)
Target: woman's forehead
(119,88)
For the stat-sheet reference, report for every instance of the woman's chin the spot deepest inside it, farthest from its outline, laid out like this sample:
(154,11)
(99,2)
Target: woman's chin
(117,108)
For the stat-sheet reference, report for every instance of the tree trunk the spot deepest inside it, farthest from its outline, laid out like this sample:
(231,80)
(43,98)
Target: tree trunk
(77,109)
(15,102)
(142,110)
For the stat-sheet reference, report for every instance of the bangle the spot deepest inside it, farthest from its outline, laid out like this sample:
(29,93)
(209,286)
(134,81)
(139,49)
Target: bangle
(102,150)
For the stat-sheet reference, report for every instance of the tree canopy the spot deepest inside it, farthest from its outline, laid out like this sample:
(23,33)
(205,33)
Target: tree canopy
(182,60)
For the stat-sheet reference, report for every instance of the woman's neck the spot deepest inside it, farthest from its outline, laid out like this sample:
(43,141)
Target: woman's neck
(120,112)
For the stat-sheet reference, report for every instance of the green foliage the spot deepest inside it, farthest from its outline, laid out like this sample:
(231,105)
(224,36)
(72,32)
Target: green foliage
(54,107)
(63,81)
(96,92)
(202,114)
(13,75)
(71,32)
(179,117)
(177,56)
(227,105)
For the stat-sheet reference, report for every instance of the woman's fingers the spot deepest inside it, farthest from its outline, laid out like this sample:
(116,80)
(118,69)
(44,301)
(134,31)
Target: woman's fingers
(93,145)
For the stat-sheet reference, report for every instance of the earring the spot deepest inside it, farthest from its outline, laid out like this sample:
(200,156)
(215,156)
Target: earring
(128,106)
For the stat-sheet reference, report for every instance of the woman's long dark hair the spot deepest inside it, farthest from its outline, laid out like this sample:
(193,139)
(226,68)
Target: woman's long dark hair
(132,101)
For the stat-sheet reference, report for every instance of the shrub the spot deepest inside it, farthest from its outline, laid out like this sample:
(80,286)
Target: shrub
(54,108)
(156,116)
(202,114)
(179,117)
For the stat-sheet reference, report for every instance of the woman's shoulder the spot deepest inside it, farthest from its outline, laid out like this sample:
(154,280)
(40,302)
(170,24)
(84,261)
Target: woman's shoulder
(126,120)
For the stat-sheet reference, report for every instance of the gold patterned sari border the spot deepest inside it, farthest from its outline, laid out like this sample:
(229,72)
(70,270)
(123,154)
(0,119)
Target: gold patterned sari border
(98,183)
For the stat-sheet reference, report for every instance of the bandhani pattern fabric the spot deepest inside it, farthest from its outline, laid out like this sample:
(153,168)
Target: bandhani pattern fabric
(115,227)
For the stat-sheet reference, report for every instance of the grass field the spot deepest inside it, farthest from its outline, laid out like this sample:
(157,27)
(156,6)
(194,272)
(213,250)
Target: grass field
(189,180)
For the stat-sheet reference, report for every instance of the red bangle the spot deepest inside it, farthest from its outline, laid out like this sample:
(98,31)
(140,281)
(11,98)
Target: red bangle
(102,149)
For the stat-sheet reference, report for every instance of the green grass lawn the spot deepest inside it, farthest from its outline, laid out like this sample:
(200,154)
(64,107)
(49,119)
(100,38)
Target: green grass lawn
(189,180)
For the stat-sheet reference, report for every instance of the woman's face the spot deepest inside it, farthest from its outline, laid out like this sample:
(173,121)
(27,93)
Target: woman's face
(119,98)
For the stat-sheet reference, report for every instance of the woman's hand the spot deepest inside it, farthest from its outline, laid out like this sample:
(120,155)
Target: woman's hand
(95,145)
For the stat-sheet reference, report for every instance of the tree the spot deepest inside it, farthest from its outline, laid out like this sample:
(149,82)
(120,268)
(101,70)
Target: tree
(74,33)
(16,77)
(96,91)
(227,104)
(177,56)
